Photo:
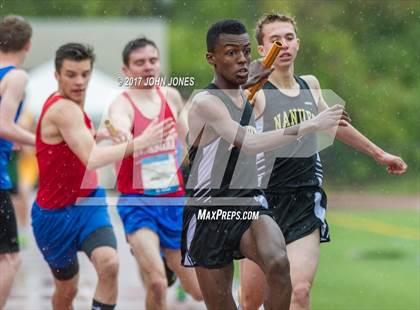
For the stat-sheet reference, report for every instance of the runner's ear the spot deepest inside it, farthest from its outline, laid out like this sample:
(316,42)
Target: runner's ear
(210,58)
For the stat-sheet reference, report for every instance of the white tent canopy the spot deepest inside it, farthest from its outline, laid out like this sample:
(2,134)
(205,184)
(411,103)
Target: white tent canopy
(101,91)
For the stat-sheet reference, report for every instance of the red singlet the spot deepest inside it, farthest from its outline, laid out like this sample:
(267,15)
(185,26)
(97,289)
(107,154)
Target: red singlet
(153,171)
(61,173)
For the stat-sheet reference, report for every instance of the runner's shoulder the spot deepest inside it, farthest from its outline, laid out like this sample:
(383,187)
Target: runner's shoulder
(311,80)
(174,98)
(16,76)
(205,98)
(120,102)
(205,103)
(65,107)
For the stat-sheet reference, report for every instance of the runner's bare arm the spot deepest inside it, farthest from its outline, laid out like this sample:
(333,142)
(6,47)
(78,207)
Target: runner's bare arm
(81,141)
(12,94)
(181,112)
(121,116)
(351,136)
(215,114)
(259,104)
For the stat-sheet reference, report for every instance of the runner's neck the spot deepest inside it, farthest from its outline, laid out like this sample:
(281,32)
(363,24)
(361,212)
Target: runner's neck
(12,59)
(284,79)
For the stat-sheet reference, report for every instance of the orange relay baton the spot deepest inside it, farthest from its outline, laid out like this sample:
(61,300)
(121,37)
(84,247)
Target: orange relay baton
(111,129)
(267,62)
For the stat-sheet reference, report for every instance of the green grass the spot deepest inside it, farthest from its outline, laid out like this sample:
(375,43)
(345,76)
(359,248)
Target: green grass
(367,270)
(387,184)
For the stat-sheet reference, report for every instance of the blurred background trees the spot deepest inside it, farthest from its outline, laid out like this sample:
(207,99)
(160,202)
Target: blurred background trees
(367,52)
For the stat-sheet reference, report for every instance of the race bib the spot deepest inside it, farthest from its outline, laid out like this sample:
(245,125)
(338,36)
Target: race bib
(159,174)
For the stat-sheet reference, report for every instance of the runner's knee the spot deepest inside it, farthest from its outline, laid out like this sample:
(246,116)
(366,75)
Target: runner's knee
(278,266)
(107,267)
(301,293)
(66,292)
(249,302)
(195,293)
(158,287)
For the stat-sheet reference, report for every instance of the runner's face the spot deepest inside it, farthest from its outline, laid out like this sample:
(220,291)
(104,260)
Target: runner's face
(285,33)
(231,57)
(143,63)
(73,78)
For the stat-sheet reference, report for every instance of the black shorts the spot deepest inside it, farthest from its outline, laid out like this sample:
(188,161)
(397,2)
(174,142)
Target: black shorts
(215,243)
(8,228)
(300,212)
(12,169)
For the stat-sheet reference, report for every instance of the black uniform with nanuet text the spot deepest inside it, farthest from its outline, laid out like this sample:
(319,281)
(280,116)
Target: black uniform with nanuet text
(293,186)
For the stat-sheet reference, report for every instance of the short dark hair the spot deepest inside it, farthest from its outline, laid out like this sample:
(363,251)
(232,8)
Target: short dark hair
(135,44)
(15,32)
(73,51)
(271,18)
(228,26)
